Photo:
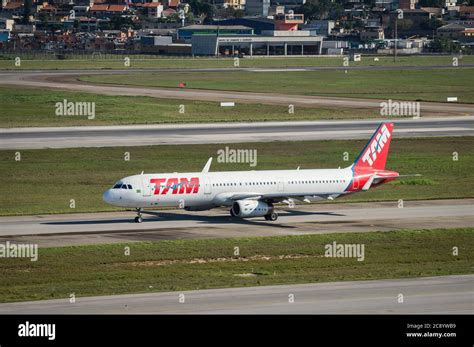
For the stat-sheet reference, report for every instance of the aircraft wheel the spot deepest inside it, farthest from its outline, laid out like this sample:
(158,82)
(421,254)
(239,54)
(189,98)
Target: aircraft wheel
(273,216)
(138,219)
(232,212)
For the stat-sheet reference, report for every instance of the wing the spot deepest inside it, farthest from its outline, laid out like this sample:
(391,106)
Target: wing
(275,197)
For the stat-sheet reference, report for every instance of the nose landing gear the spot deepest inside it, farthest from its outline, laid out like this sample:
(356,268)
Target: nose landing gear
(138,218)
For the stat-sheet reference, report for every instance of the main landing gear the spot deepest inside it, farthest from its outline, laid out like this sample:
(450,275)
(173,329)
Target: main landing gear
(138,218)
(271,216)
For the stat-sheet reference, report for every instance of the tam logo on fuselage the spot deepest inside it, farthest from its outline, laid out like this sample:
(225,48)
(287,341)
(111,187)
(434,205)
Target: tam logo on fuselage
(376,146)
(175,185)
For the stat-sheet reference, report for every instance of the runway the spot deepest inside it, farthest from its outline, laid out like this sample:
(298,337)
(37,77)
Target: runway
(118,227)
(67,80)
(141,135)
(430,295)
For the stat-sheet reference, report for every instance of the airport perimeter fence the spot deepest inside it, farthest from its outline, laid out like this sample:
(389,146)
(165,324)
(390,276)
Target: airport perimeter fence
(41,55)
(119,56)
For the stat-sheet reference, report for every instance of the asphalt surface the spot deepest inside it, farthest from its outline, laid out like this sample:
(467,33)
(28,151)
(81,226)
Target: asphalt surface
(118,227)
(139,135)
(430,295)
(67,80)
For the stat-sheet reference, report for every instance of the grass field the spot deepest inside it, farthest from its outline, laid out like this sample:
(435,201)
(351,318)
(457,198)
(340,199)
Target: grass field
(187,63)
(201,264)
(422,85)
(44,181)
(36,107)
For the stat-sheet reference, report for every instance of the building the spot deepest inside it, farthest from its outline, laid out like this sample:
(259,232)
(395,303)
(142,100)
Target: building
(370,34)
(153,9)
(258,24)
(319,27)
(407,4)
(387,4)
(466,12)
(450,3)
(288,21)
(236,4)
(273,43)
(188,32)
(107,10)
(289,4)
(454,31)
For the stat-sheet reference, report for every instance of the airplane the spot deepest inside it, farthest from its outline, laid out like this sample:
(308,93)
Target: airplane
(254,193)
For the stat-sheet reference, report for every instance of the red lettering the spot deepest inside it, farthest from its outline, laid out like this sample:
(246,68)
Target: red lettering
(172,182)
(189,187)
(184,186)
(157,182)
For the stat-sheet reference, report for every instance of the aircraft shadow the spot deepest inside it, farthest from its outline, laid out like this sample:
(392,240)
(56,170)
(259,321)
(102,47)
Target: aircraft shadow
(215,220)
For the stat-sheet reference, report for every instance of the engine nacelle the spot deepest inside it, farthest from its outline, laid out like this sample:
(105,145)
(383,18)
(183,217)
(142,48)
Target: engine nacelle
(251,208)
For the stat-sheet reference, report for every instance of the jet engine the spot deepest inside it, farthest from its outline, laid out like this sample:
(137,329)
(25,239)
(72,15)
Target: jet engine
(250,208)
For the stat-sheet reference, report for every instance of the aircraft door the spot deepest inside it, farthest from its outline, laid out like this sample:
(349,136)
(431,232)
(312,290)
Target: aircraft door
(148,187)
(207,186)
(281,185)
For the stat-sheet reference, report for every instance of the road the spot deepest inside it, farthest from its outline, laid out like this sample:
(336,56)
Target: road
(67,80)
(96,228)
(140,135)
(430,295)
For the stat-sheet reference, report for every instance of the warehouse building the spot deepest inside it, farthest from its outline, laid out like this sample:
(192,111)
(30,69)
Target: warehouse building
(270,43)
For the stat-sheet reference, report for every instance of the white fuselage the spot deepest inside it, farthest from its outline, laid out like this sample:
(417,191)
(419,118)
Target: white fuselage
(198,190)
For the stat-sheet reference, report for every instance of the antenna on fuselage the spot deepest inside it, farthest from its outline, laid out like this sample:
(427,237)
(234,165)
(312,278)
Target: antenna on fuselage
(142,172)
(207,166)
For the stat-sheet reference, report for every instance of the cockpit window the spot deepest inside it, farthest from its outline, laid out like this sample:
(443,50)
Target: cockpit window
(129,186)
(124,186)
(117,186)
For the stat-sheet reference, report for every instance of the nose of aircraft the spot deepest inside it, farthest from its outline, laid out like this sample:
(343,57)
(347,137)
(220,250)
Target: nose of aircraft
(107,196)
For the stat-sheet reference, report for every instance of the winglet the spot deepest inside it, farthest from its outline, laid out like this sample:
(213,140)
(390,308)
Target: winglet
(207,166)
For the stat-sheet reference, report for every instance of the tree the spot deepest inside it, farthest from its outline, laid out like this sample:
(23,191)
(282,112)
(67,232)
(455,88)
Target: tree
(431,24)
(445,46)
(201,8)
(118,22)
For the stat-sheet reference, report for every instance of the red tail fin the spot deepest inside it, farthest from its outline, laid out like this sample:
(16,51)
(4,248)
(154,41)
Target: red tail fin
(374,155)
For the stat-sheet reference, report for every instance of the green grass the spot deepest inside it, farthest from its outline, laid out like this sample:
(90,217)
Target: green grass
(44,181)
(167,265)
(187,63)
(422,85)
(36,107)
